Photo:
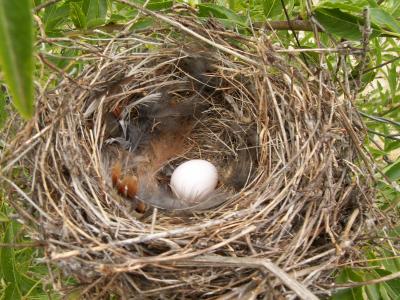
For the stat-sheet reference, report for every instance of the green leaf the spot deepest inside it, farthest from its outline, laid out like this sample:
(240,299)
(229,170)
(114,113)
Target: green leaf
(77,16)
(393,171)
(376,152)
(368,77)
(348,294)
(383,292)
(74,295)
(373,3)
(354,6)
(96,12)
(54,16)
(8,265)
(339,23)
(216,11)
(272,8)
(391,145)
(392,287)
(372,292)
(156,5)
(345,276)
(3,113)
(3,217)
(396,10)
(115,18)
(384,19)
(159,5)
(16,52)
(143,23)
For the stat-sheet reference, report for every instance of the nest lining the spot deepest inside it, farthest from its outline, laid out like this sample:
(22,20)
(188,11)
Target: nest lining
(288,184)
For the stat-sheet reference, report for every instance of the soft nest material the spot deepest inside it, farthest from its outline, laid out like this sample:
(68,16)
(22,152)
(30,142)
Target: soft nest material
(290,200)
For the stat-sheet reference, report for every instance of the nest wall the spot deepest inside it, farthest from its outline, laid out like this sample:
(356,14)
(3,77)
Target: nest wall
(284,143)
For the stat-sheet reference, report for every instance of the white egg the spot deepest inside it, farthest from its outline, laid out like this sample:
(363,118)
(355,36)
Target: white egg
(194,180)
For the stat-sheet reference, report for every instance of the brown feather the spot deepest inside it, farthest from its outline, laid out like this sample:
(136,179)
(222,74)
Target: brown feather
(116,173)
(168,145)
(128,187)
(140,207)
(163,148)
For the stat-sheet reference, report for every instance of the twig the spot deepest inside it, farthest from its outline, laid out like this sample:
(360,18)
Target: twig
(133,264)
(44,5)
(191,32)
(390,110)
(155,236)
(293,31)
(26,197)
(392,136)
(369,282)
(267,264)
(366,35)
(39,244)
(58,70)
(321,50)
(299,25)
(382,64)
(380,119)
(303,25)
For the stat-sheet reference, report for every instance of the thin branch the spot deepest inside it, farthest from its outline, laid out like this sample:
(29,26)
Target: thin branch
(191,32)
(304,25)
(382,64)
(390,110)
(39,244)
(293,31)
(346,51)
(369,282)
(56,69)
(299,25)
(392,137)
(380,119)
(44,5)
(267,264)
(366,36)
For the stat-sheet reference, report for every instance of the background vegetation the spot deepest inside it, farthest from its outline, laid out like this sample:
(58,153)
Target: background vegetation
(363,38)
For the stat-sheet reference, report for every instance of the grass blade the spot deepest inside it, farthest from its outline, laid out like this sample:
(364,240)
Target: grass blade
(16,52)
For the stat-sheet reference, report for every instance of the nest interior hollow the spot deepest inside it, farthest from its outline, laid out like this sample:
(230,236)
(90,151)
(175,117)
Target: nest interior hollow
(278,136)
(176,107)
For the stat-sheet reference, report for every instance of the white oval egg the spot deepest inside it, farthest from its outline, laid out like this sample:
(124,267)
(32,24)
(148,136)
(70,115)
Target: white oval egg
(194,180)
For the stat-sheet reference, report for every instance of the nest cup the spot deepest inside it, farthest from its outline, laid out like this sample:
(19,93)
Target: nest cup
(289,192)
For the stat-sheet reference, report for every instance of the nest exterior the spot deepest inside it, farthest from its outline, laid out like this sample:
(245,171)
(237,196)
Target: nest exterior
(280,232)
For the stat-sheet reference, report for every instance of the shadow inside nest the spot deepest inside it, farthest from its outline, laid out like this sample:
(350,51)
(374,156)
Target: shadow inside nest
(181,110)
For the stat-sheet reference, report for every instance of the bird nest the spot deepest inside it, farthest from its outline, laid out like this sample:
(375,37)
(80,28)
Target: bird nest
(100,151)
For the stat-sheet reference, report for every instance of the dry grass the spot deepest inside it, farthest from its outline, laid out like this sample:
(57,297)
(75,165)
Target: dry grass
(292,197)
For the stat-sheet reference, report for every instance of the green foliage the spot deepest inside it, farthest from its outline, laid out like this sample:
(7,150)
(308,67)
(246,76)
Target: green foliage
(88,13)
(54,16)
(344,19)
(20,276)
(225,15)
(95,11)
(381,261)
(3,113)
(78,17)
(16,52)
(340,23)
(272,8)
(383,19)
(158,5)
